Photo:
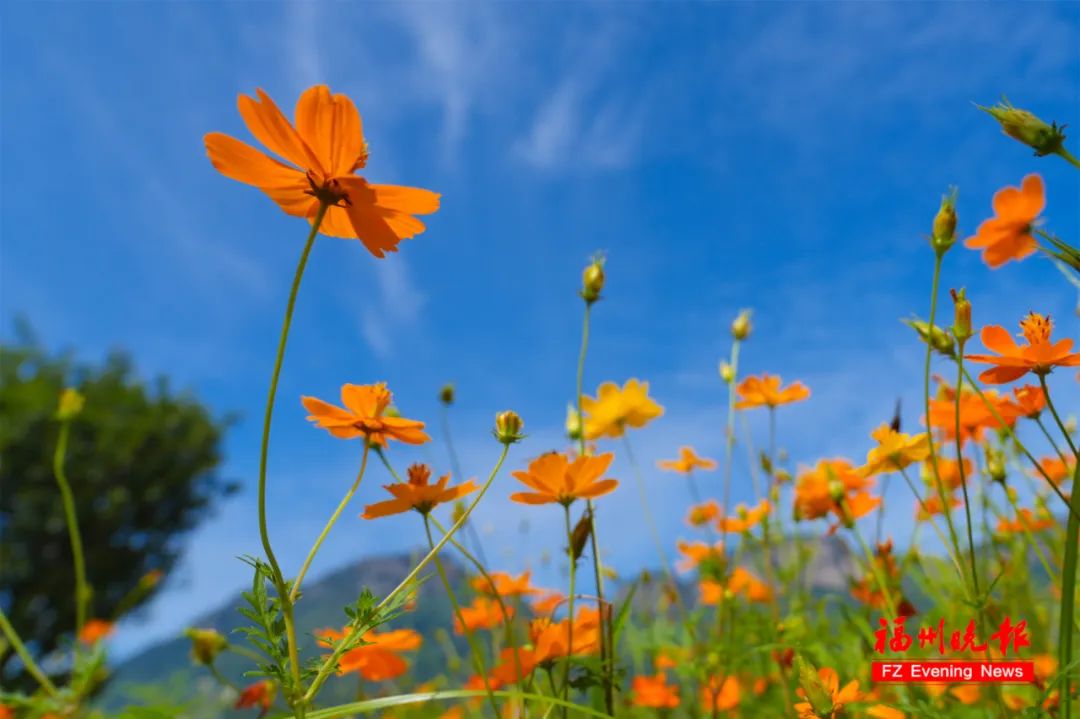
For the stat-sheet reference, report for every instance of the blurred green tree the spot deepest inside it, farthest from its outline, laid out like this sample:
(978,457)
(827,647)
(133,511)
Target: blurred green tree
(142,462)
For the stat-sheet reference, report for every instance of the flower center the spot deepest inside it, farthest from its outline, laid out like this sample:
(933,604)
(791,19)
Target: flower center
(1036,328)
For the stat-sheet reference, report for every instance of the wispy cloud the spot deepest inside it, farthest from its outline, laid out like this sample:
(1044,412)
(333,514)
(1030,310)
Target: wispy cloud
(397,306)
(583,122)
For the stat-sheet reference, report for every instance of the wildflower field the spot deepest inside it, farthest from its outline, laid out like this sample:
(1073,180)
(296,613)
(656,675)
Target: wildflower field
(968,612)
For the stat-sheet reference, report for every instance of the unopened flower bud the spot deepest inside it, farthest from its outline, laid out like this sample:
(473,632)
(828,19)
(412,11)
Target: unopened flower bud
(961,328)
(446,394)
(457,511)
(938,338)
(727,372)
(1025,127)
(740,328)
(580,535)
(592,280)
(206,644)
(995,465)
(817,694)
(836,489)
(391,411)
(573,423)
(944,230)
(71,403)
(151,579)
(508,427)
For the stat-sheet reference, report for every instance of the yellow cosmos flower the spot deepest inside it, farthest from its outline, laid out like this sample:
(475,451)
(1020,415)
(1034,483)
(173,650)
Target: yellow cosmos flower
(615,409)
(895,451)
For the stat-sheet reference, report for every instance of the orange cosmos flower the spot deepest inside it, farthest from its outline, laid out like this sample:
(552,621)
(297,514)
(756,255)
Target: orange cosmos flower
(745,519)
(483,613)
(550,641)
(94,630)
(1038,355)
(895,451)
(966,693)
(504,585)
(765,391)
(546,605)
(687,462)
(260,694)
(720,694)
(615,409)
(949,471)
(1007,236)
(932,506)
(833,486)
(364,415)
(830,682)
(555,479)
(324,149)
(655,693)
(1025,518)
(697,552)
(881,711)
(1030,400)
(378,659)
(744,583)
(975,416)
(741,582)
(701,514)
(418,494)
(1056,469)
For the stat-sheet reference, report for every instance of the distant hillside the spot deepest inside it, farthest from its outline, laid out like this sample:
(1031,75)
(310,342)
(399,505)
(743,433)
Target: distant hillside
(164,674)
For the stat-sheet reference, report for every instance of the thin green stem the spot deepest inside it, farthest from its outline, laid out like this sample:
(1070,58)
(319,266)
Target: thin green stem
(1068,574)
(1057,418)
(478,657)
(28,661)
(607,651)
(1068,156)
(455,465)
(930,518)
(264,449)
(960,467)
(331,660)
(1019,445)
(326,530)
(82,589)
(1050,439)
(569,606)
(940,486)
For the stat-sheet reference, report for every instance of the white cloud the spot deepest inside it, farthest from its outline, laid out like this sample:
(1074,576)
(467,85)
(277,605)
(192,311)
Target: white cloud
(398,305)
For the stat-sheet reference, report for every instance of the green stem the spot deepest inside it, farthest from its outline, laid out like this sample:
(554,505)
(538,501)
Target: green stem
(455,465)
(478,657)
(569,606)
(960,466)
(326,530)
(1057,418)
(331,660)
(1068,156)
(82,589)
(1050,439)
(930,518)
(1020,445)
(1068,574)
(264,449)
(940,486)
(607,650)
(27,660)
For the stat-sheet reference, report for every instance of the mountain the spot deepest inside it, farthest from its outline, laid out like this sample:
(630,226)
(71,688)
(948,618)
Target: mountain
(165,675)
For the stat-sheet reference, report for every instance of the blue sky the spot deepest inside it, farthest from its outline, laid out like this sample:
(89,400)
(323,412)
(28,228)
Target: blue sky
(784,157)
